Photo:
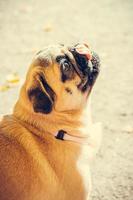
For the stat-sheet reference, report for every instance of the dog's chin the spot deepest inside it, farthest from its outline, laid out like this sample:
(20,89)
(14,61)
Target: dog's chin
(93,69)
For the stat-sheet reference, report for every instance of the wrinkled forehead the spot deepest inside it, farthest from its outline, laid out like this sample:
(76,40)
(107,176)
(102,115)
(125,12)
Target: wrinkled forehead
(51,53)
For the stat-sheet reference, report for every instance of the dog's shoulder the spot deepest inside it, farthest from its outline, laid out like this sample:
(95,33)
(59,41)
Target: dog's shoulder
(8,132)
(11,159)
(15,140)
(5,127)
(18,167)
(24,169)
(12,151)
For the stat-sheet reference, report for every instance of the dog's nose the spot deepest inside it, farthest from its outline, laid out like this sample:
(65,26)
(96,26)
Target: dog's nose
(82,56)
(83,49)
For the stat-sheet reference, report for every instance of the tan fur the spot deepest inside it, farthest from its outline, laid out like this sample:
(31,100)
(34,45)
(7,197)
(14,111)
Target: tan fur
(33,164)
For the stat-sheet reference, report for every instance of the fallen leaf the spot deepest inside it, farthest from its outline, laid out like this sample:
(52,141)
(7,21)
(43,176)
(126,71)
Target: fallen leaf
(128,129)
(4,88)
(48,28)
(12,78)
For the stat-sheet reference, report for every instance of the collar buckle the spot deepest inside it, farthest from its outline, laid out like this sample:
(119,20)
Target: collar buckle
(60,135)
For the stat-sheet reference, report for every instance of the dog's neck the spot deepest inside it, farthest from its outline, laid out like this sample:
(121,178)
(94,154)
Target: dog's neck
(75,123)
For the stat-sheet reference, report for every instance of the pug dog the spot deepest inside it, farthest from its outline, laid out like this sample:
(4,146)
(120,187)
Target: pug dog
(48,142)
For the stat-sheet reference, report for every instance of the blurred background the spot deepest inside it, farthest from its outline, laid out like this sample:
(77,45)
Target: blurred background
(107,25)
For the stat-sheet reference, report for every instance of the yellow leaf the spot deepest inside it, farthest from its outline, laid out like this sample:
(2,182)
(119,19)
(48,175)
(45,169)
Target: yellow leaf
(48,28)
(12,78)
(4,88)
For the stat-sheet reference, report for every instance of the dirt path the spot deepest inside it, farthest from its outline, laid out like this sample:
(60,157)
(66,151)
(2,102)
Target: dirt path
(26,26)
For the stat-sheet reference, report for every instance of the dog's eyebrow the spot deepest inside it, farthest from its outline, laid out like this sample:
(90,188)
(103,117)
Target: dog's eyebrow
(65,56)
(58,58)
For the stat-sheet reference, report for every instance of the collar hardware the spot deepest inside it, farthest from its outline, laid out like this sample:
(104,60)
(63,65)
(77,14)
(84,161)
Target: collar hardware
(60,135)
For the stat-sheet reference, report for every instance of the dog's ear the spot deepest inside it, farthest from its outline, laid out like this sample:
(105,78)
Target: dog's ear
(42,97)
(41,102)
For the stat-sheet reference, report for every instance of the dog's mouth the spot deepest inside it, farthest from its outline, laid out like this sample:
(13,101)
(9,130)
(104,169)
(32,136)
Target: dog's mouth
(87,65)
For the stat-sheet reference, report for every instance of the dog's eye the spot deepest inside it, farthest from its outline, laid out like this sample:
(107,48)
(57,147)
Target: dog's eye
(67,71)
(65,66)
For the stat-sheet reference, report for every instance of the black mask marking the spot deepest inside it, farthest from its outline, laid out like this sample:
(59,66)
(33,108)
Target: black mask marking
(87,70)
(66,68)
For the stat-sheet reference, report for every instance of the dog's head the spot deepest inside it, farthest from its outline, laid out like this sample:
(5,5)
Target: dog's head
(61,78)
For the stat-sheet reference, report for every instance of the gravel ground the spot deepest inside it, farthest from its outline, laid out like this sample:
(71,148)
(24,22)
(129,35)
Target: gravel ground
(27,26)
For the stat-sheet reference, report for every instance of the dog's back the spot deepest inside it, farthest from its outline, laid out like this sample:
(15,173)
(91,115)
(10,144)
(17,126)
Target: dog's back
(34,169)
(53,99)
